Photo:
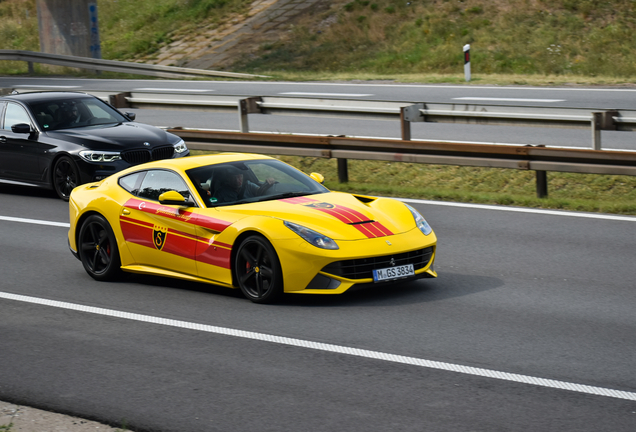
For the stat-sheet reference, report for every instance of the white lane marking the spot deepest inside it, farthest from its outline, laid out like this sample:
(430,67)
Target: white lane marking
(45,86)
(359,85)
(172,89)
(508,99)
(419,201)
(35,221)
(521,210)
(339,349)
(325,94)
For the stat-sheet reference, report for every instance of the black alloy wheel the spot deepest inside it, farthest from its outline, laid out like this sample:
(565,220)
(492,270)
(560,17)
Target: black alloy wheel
(65,177)
(258,270)
(98,249)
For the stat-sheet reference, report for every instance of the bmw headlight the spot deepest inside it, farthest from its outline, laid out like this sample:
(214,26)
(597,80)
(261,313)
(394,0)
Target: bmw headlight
(420,221)
(312,236)
(180,147)
(99,156)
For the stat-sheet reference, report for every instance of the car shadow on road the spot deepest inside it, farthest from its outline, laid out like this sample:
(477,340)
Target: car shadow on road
(446,286)
(26,191)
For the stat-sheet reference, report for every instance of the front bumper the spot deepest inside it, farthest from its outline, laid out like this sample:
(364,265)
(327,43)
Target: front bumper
(310,270)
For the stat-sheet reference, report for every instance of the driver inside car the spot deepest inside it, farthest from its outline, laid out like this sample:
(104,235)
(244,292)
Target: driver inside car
(234,187)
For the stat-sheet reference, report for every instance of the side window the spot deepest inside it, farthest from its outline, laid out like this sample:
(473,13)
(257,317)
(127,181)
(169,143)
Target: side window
(15,114)
(157,182)
(131,182)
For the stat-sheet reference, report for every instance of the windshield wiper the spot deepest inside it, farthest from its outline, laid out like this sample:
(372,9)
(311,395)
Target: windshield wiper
(286,195)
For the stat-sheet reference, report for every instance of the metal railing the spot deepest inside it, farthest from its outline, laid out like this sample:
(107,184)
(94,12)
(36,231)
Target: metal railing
(408,112)
(114,66)
(538,158)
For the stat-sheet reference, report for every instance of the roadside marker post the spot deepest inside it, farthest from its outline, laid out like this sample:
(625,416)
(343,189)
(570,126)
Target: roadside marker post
(467,62)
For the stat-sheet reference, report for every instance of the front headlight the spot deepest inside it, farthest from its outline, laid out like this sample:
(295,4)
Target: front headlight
(420,221)
(312,236)
(99,156)
(180,147)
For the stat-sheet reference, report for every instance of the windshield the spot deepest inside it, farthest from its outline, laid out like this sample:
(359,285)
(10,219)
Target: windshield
(251,181)
(73,113)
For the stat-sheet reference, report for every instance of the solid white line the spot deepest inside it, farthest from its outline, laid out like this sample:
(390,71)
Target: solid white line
(522,210)
(46,86)
(433,86)
(339,349)
(173,89)
(508,99)
(325,94)
(35,221)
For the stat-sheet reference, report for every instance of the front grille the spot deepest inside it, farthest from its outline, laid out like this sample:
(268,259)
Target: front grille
(362,268)
(163,153)
(135,157)
(139,156)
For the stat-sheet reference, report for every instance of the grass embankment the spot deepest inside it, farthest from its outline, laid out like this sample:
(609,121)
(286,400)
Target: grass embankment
(556,37)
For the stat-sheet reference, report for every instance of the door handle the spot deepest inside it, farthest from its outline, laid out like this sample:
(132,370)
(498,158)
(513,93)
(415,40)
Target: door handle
(3,139)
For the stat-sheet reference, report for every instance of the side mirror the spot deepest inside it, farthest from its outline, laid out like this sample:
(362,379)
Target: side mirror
(318,177)
(174,198)
(21,128)
(131,116)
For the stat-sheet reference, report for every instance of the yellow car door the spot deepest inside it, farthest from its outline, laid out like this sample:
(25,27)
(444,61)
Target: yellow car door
(159,235)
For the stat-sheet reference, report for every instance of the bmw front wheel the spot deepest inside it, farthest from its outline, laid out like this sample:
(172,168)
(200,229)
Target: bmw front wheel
(98,249)
(258,270)
(65,177)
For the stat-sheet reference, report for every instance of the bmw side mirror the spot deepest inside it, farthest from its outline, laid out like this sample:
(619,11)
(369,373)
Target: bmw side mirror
(131,116)
(21,128)
(174,198)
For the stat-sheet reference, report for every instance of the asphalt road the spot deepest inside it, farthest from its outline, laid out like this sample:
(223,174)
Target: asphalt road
(530,327)
(569,97)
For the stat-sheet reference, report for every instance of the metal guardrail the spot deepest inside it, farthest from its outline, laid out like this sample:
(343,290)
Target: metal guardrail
(114,66)
(408,112)
(538,158)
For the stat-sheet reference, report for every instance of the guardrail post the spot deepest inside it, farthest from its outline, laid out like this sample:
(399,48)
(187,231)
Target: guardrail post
(120,100)
(343,171)
(30,67)
(410,114)
(542,184)
(247,106)
(597,125)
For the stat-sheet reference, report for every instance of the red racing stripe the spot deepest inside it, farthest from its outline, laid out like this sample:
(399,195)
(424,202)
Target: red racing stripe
(171,213)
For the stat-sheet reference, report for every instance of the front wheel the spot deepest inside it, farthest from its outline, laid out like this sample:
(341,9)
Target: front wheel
(98,249)
(258,271)
(65,177)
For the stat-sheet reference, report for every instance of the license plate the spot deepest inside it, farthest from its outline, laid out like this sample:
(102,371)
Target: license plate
(396,272)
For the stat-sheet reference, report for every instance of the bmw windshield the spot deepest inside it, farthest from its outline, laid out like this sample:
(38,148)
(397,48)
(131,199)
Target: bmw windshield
(73,113)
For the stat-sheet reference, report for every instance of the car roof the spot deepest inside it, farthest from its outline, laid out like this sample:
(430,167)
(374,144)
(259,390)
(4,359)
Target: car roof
(44,96)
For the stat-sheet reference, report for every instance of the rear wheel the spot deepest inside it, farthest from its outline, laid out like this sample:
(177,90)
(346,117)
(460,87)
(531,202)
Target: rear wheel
(65,177)
(98,249)
(258,270)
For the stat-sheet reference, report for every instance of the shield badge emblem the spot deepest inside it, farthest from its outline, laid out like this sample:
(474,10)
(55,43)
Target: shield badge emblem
(159,236)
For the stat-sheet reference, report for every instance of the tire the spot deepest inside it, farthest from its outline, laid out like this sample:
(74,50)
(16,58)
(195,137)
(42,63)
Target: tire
(258,271)
(65,177)
(98,249)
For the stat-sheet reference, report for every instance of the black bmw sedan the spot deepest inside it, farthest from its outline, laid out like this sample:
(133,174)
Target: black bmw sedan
(59,140)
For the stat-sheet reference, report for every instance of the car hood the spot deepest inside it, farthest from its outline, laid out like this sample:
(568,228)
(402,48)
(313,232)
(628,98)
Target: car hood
(117,137)
(341,216)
